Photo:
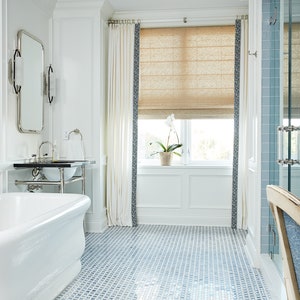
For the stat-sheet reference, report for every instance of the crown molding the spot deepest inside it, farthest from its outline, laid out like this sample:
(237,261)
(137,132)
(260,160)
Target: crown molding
(61,4)
(73,8)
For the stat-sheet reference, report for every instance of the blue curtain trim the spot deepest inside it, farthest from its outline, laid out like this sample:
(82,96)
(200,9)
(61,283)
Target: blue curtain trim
(236,123)
(135,121)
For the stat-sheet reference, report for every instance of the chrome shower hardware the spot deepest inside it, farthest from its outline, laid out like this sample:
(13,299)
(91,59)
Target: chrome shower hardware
(287,156)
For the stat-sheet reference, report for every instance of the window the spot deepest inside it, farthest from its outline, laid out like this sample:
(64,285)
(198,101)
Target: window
(211,140)
(203,139)
(188,72)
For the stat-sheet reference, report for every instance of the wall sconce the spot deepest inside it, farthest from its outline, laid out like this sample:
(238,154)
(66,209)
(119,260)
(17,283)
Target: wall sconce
(288,145)
(17,71)
(51,84)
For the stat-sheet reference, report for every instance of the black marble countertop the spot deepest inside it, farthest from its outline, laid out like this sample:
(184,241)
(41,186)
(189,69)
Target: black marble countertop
(54,164)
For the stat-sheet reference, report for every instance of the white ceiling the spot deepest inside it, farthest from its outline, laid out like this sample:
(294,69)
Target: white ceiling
(144,5)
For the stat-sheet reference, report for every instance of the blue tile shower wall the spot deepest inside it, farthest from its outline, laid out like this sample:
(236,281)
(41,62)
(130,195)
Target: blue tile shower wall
(270,110)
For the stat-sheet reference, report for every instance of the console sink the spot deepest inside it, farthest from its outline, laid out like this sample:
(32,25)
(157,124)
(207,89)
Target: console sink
(51,168)
(52,172)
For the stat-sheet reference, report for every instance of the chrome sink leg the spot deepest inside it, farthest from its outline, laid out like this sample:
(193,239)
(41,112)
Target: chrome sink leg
(83,179)
(62,180)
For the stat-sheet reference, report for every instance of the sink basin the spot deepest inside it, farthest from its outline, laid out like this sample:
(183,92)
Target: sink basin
(53,174)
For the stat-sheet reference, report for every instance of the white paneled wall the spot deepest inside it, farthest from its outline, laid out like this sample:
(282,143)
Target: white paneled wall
(79,47)
(184,195)
(253,243)
(16,15)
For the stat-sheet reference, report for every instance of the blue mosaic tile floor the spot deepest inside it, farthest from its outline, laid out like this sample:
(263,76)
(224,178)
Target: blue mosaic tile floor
(153,262)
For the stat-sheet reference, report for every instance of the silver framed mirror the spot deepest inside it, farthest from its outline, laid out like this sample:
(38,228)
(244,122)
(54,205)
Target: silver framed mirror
(31,95)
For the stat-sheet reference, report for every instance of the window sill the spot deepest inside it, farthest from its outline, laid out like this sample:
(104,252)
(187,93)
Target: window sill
(204,165)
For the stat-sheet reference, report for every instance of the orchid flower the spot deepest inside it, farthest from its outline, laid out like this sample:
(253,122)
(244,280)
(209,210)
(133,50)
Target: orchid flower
(170,121)
(170,148)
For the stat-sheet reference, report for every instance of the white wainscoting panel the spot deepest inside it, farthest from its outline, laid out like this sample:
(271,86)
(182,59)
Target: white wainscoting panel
(210,191)
(184,195)
(163,191)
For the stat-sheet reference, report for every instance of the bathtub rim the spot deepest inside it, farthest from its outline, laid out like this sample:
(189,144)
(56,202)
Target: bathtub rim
(63,217)
(80,204)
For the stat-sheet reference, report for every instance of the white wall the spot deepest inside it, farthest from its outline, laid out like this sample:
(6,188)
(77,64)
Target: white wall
(16,15)
(23,15)
(79,56)
(254,94)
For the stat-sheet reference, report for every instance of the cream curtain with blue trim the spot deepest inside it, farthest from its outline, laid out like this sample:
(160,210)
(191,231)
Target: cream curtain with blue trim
(122,124)
(240,148)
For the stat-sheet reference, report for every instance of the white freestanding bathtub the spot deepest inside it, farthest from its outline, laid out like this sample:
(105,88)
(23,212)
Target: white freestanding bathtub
(41,242)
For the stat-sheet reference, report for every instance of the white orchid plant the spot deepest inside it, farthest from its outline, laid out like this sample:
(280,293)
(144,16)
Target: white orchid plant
(169,147)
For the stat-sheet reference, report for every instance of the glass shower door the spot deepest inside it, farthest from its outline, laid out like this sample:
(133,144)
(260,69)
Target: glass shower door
(289,131)
(291,97)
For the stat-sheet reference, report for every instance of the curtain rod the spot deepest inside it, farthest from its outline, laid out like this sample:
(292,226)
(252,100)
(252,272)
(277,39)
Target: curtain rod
(126,21)
(185,20)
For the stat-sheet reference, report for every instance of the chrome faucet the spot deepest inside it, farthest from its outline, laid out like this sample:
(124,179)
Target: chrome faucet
(43,143)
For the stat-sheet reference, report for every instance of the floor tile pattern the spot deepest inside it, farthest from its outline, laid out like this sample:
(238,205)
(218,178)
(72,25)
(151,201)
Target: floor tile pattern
(155,262)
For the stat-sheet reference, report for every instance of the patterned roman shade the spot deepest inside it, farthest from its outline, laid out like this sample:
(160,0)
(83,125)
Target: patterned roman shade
(187,71)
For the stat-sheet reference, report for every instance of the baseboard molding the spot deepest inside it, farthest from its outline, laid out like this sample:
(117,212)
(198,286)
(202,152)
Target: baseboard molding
(95,224)
(183,220)
(251,252)
(96,227)
(273,278)
(271,274)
